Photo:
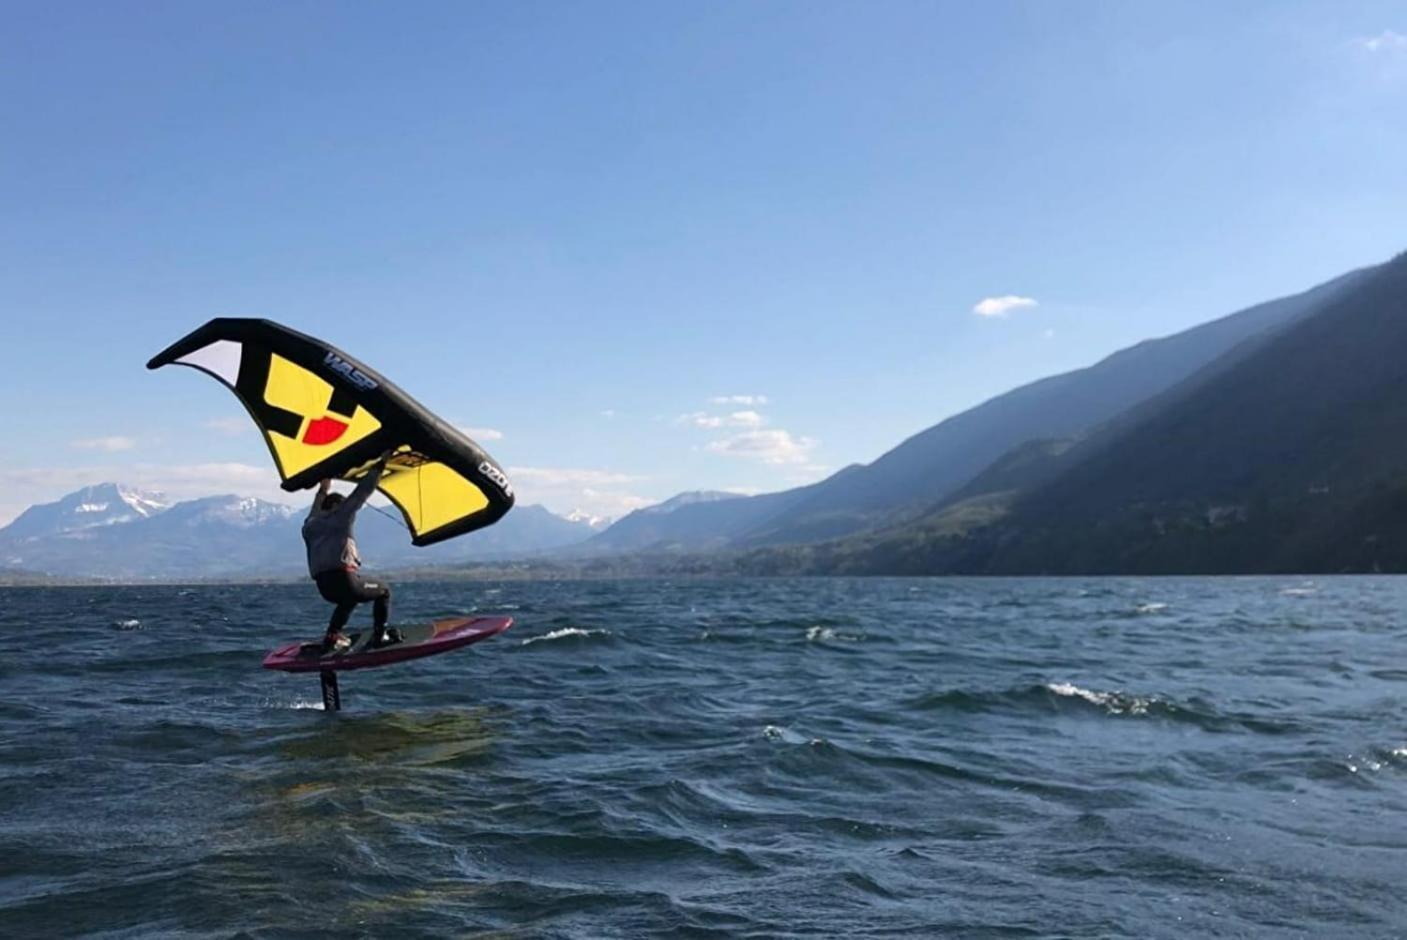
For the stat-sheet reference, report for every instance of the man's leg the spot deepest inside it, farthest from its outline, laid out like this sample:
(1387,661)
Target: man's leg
(340,615)
(378,592)
(333,587)
(381,608)
(339,620)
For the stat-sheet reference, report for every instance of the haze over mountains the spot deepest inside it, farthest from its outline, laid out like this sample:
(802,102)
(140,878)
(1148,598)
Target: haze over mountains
(1267,440)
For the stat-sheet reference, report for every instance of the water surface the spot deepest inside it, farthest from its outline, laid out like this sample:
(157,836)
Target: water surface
(986,758)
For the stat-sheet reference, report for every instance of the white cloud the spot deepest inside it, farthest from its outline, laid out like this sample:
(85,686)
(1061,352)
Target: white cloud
(1001,306)
(108,445)
(733,420)
(1386,41)
(746,419)
(570,476)
(773,446)
(700,419)
(608,413)
(482,434)
(611,505)
(807,473)
(566,489)
(738,400)
(736,419)
(232,426)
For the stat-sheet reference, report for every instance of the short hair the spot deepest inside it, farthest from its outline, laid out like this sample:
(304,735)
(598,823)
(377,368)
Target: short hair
(331,501)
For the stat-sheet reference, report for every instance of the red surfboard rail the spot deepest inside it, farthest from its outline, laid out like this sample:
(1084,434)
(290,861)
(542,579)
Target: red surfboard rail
(441,636)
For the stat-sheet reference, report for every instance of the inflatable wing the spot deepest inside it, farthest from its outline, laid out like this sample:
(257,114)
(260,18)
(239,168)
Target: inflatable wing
(323,414)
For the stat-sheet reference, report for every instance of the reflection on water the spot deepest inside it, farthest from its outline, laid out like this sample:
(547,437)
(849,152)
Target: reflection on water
(404,738)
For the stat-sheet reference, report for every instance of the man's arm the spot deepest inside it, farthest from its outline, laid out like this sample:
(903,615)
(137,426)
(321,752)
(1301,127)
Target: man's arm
(323,488)
(366,485)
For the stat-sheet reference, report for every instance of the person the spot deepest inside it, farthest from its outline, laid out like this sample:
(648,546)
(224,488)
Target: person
(335,565)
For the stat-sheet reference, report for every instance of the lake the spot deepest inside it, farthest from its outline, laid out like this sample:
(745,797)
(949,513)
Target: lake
(740,758)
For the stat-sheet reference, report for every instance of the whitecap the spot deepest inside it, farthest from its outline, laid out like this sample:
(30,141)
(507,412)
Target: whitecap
(1366,763)
(1153,607)
(130,624)
(1354,762)
(785,735)
(295,705)
(1116,703)
(565,632)
(819,634)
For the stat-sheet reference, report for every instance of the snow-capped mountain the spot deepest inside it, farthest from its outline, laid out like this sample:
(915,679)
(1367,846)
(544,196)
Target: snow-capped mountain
(650,525)
(91,507)
(690,498)
(239,511)
(595,523)
(114,531)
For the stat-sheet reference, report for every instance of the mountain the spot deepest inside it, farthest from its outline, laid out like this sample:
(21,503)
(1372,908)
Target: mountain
(655,526)
(197,538)
(90,507)
(118,532)
(594,522)
(525,531)
(697,521)
(929,467)
(1284,455)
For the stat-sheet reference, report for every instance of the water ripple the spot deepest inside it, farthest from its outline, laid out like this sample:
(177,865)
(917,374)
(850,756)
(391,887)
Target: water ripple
(825,757)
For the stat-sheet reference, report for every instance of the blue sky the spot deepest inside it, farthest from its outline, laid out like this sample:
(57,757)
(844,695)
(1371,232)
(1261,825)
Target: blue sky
(580,227)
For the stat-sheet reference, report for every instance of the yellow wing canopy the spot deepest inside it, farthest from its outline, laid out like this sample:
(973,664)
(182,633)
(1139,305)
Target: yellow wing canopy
(326,415)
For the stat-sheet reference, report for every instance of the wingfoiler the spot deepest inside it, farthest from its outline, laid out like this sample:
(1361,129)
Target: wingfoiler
(326,415)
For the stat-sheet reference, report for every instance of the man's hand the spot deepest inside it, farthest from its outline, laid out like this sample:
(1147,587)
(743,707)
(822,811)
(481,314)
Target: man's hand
(386,457)
(324,486)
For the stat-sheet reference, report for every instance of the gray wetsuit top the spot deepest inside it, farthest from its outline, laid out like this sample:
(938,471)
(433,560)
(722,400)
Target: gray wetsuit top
(328,533)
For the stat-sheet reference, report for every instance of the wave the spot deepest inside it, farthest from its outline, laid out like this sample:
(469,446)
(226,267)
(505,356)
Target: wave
(128,624)
(819,634)
(1114,703)
(295,705)
(1376,759)
(1152,607)
(1117,703)
(785,735)
(565,633)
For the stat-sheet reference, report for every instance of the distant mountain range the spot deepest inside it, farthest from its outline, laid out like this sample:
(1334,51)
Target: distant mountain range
(120,532)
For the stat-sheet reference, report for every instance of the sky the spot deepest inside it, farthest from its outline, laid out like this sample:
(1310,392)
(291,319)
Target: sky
(643,248)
